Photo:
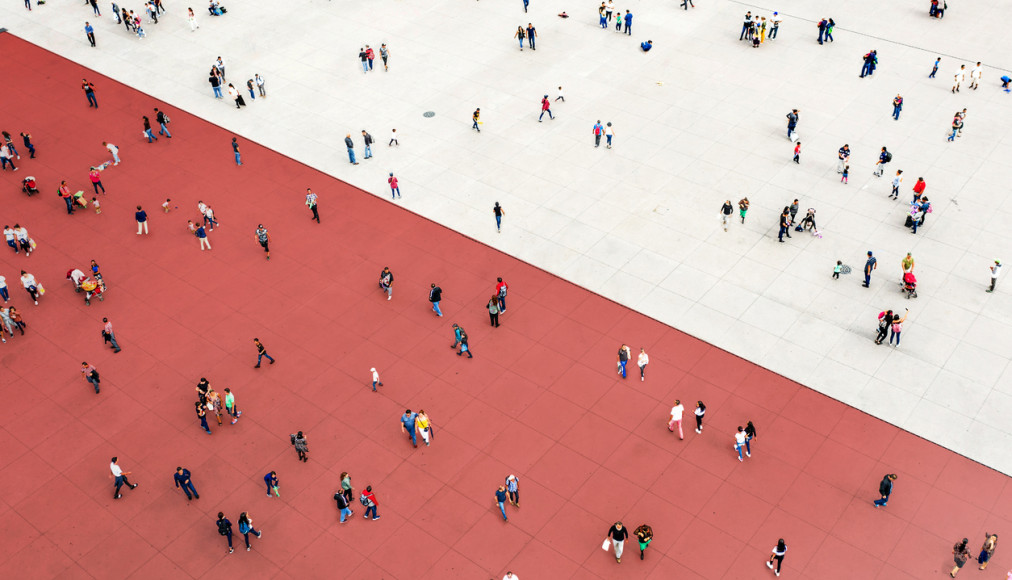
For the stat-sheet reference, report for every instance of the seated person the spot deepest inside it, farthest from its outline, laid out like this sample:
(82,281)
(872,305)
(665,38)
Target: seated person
(1005,80)
(646,46)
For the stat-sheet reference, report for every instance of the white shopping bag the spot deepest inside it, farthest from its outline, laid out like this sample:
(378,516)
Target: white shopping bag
(606,544)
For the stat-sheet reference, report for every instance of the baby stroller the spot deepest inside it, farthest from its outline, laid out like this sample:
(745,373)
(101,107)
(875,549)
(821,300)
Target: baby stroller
(79,199)
(28,185)
(92,288)
(910,285)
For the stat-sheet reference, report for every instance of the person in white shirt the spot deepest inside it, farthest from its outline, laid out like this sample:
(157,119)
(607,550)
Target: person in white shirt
(114,150)
(995,270)
(120,476)
(975,75)
(739,441)
(9,236)
(609,133)
(375,379)
(676,418)
(643,360)
(30,285)
(23,240)
(608,9)
(393,138)
(510,576)
(959,78)
(897,181)
(3,289)
(561,96)
(259,80)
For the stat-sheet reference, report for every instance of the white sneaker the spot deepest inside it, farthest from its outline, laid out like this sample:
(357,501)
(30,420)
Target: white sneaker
(769,565)
(747,454)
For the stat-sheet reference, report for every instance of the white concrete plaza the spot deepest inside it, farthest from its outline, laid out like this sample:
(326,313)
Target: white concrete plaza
(699,119)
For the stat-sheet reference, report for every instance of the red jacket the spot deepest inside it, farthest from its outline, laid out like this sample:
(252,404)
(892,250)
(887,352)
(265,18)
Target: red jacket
(919,187)
(545,104)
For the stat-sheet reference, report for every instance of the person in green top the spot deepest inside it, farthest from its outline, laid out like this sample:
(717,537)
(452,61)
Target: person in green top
(230,407)
(346,488)
(836,270)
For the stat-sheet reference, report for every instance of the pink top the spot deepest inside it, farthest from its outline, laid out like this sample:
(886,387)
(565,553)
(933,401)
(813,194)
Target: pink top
(392,181)
(95,176)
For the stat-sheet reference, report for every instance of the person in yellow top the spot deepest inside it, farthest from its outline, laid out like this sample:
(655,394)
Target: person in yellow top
(423,427)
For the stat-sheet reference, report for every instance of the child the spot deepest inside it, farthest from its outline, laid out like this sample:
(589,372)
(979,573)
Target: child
(755,40)
(192,226)
(561,97)
(797,152)
(836,270)
(165,206)
(896,184)
(846,172)
(98,208)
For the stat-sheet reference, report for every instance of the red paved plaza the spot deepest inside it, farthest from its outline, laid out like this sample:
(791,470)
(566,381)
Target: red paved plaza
(540,399)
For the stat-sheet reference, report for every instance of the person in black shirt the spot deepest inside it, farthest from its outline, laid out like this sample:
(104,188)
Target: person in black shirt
(163,121)
(785,224)
(225,529)
(498,211)
(386,282)
(261,352)
(725,211)
(618,534)
(435,296)
(885,487)
(202,387)
(750,434)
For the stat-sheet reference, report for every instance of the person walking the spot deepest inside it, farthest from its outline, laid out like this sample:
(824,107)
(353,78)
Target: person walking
(676,418)
(236,96)
(182,479)
(919,188)
(750,434)
(598,131)
(96,179)
(386,282)
(725,213)
(513,490)
(475,118)
(192,19)
(342,506)
(975,74)
(142,220)
(739,441)
(90,33)
(644,533)
(934,69)
(642,360)
(456,335)
(224,525)
(628,22)
(822,29)
(301,446)
(88,372)
(897,327)
(778,554)
(500,500)
(987,550)
(246,528)
(201,233)
(26,138)
(897,107)
(368,499)
(395,190)
(384,54)
(519,35)
(235,151)
(743,204)
(346,488)
(797,152)
(618,534)
(230,406)
(424,426)
(546,108)
(623,359)
(897,182)
(883,157)
(4,293)
(958,79)
(501,288)
(699,412)
(792,122)
(464,346)
(202,415)
(147,130)
(960,554)
(995,271)
(215,82)
(408,421)
(375,379)
(89,91)
(532,33)
(264,237)
(109,336)
(493,311)
(261,353)
(31,286)
(351,149)
(435,297)
(367,138)
(272,483)
(498,211)
(363,56)
(885,488)
(869,266)
(609,134)
(311,204)
(120,477)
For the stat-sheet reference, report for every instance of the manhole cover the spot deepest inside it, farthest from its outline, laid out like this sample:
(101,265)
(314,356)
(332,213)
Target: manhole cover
(845,269)
(429,114)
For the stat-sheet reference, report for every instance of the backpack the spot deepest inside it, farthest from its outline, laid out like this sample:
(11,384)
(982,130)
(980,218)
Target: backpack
(293,438)
(222,527)
(243,528)
(362,499)
(889,157)
(463,336)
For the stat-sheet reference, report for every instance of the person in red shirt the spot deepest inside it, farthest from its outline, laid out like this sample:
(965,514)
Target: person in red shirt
(370,55)
(500,291)
(919,189)
(797,152)
(395,190)
(65,194)
(546,108)
(370,500)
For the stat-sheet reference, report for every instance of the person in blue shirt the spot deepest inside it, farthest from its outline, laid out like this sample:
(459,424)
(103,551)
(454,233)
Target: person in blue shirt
(271,479)
(142,220)
(646,46)
(500,498)
(408,424)
(628,22)
(182,477)
(90,32)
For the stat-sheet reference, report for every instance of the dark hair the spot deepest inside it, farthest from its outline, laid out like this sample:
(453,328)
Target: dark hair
(221,515)
(115,459)
(368,488)
(781,545)
(300,435)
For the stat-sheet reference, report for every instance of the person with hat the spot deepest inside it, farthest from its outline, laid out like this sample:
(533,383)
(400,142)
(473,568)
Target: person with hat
(995,270)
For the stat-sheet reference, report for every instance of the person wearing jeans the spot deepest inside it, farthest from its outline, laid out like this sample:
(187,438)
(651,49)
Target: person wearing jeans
(500,499)
(897,327)
(342,504)
(351,148)
(261,352)
(246,528)
(884,489)
(435,296)
(408,425)
(372,503)
(147,131)
(110,336)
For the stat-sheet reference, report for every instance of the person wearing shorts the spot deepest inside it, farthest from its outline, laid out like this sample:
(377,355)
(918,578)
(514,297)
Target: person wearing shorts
(264,237)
